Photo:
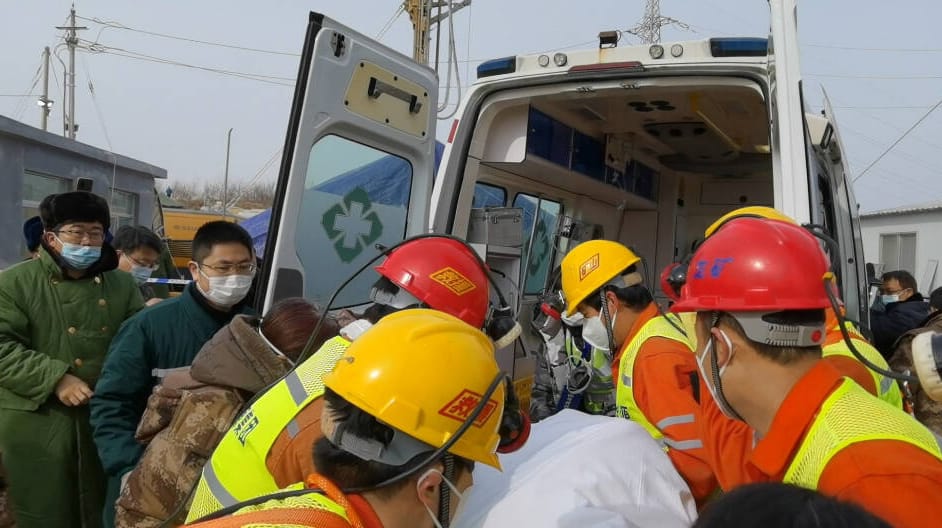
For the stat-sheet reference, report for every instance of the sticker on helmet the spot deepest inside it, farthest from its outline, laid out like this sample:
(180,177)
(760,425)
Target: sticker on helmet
(461,406)
(716,268)
(454,281)
(589,266)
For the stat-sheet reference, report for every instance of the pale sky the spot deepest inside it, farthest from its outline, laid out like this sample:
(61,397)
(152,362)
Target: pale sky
(880,62)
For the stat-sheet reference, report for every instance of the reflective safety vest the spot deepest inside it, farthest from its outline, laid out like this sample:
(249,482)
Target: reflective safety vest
(887,388)
(627,406)
(599,397)
(237,470)
(848,416)
(317,509)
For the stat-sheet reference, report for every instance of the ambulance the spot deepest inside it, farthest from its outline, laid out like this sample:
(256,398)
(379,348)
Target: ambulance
(646,145)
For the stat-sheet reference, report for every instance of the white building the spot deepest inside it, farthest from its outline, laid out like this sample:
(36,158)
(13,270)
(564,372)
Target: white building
(908,238)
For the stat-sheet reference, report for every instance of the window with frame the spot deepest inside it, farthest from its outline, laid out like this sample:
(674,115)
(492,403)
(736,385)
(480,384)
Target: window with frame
(539,261)
(487,195)
(37,186)
(898,252)
(123,209)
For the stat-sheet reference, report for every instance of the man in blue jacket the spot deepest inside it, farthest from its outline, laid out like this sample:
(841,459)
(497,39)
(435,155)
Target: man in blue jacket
(903,308)
(166,336)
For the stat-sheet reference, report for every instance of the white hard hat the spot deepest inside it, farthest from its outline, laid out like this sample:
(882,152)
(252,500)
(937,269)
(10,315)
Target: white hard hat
(927,362)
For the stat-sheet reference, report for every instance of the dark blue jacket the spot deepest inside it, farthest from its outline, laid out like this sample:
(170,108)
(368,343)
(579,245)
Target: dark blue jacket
(896,320)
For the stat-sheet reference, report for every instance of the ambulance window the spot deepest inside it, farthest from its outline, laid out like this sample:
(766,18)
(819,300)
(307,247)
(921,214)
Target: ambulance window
(487,195)
(541,258)
(355,197)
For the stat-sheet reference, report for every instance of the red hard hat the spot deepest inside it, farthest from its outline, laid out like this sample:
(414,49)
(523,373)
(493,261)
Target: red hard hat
(666,287)
(442,273)
(756,265)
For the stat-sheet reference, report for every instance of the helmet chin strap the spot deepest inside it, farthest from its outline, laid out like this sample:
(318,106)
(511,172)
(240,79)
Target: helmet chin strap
(444,492)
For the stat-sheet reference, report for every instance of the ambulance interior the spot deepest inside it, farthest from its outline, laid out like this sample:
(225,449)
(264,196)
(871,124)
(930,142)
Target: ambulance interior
(650,166)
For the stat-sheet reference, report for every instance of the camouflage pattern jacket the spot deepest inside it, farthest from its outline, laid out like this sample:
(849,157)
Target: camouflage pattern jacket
(927,410)
(186,417)
(6,510)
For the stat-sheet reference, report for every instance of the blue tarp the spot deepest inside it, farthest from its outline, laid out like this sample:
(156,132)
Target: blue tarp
(385,180)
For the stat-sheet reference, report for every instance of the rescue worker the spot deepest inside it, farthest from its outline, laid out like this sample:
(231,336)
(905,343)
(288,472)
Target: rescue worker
(269,445)
(193,407)
(654,368)
(759,288)
(835,349)
(403,426)
(165,336)
(57,315)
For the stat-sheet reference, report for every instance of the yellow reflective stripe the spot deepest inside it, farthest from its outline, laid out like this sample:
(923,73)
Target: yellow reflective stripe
(674,420)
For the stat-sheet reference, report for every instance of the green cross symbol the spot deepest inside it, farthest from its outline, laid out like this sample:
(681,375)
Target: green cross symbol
(541,249)
(351,224)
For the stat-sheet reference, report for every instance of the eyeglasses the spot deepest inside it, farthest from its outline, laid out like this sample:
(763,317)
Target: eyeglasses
(232,269)
(133,260)
(78,234)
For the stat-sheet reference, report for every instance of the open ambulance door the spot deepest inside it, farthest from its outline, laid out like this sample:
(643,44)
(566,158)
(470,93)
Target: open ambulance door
(846,228)
(357,167)
(789,164)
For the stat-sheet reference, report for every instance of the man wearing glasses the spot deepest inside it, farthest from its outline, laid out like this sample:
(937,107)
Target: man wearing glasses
(167,336)
(139,254)
(58,314)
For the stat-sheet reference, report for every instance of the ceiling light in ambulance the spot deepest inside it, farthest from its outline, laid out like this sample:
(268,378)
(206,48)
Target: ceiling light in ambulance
(560,59)
(656,51)
(677,50)
(543,60)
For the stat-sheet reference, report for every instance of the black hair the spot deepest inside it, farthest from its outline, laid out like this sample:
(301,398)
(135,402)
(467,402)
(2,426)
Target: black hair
(935,298)
(219,232)
(778,505)
(350,471)
(131,238)
(636,297)
(903,277)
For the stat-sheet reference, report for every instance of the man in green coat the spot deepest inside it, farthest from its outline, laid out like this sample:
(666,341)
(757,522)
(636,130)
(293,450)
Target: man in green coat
(166,336)
(58,314)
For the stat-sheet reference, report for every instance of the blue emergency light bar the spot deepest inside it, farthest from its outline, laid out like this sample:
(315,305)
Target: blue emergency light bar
(739,47)
(497,67)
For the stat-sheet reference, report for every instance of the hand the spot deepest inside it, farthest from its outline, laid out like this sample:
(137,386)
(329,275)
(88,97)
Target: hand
(72,391)
(153,301)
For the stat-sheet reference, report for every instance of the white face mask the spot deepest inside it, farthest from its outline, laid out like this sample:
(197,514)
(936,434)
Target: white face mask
(708,378)
(454,489)
(227,291)
(595,333)
(887,299)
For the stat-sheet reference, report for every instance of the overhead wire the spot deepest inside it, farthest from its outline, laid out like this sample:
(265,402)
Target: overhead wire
(392,20)
(104,128)
(117,25)
(255,178)
(453,61)
(898,140)
(23,104)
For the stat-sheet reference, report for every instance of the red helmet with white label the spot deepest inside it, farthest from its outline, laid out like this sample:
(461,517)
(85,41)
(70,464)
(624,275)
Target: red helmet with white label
(756,265)
(443,274)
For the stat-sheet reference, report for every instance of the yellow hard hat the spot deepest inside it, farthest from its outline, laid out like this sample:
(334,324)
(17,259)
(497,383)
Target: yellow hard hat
(422,372)
(752,211)
(591,265)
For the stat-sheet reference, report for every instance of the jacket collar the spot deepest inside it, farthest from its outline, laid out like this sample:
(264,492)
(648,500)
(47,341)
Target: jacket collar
(238,357)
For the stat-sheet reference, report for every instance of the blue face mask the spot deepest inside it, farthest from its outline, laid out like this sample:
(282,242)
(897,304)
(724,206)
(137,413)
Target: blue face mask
(79,257)
(141,274)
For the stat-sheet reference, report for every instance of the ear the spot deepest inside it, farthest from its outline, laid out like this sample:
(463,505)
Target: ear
(612,298)
(49,238)
(722,346)
(194,270)
(428,487)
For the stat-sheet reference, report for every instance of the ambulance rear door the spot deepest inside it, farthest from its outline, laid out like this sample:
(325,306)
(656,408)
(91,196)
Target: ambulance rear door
(357,167)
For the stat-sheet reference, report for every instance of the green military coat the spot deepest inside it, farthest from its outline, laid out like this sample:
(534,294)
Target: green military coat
(51,325)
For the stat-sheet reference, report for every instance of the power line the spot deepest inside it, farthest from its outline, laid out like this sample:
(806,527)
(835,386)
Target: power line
(875,77)
(93,47)
(910,129)
(118,25)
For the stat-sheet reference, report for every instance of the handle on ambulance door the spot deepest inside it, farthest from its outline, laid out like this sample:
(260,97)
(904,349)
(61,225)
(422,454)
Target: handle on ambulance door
(378,88)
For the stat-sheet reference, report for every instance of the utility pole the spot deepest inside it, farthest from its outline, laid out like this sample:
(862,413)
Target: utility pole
(649,29)
(420,12)
(71,38)
(45,104)
(225,178)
